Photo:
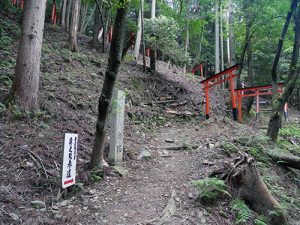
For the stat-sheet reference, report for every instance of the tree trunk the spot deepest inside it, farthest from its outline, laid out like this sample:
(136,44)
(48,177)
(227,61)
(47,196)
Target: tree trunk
(69,14)
(231,34)
(83,30)
(107,90)
(241,62)
(279,50)
(217,38)
(26,80)
(138,36)
(74,26)
(97,25)
(105,14)
(222,40)
(246,183)
(83,13)
(200,45)
(153,7)
(278,104)
(249,57)
(187,43)
(143,37)
(152,62)
(63,14)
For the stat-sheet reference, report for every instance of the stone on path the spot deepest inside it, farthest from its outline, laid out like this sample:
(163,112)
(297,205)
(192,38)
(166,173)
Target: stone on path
(145,154)
(120,170)
(37,204)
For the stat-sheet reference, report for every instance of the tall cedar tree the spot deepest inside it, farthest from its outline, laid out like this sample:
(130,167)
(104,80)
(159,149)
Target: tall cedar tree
(114,62)
(294,70)
(24,91)
(73,32)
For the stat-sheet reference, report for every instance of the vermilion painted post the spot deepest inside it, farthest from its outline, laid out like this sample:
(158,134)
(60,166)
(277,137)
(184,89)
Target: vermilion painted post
(257,105)
(233,99)
(148,52)
(55,19)
(22,5)
(14,2)
(206,101)
(201,70)
(240,114)
(53,13)
(286,111)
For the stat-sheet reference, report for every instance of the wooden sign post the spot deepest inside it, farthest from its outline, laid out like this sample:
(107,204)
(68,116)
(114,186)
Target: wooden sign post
(117,127)
(68,173)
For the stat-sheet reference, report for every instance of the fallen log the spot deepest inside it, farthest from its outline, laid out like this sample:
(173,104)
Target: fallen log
(285,159)
(178,113)
(246,183)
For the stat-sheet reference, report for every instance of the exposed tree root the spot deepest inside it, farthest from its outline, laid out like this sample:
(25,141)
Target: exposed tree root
(245,182)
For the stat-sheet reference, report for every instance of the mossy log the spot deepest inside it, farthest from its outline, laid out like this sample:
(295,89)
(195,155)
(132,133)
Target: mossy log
(286,160)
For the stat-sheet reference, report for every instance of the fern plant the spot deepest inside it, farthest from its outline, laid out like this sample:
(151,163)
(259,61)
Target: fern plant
(210,188)
(260,220)
(243,213)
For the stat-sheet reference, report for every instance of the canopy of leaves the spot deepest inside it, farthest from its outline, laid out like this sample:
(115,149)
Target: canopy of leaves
(161,34)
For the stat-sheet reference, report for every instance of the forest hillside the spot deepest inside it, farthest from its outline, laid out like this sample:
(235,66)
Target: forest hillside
(178,167)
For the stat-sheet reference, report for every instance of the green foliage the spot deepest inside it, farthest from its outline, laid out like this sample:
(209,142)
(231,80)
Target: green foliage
(8,33)
(5,80)
(260,220)
(290,131)
(257,145)
(229,147)
(2,108)
(96,175)
(161,34)
(6,5)
(16,111)
(243,212)
(210,188)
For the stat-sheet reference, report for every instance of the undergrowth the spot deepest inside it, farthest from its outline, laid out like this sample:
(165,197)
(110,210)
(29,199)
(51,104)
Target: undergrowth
(210,188)
(242,211)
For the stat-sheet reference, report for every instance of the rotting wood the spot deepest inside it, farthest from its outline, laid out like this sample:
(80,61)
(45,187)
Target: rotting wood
(245,182)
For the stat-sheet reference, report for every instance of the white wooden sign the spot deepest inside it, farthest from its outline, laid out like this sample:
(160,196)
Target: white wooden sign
(117,127)
(68,173)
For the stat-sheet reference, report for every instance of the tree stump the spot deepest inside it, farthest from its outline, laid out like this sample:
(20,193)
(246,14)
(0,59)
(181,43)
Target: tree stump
(246,183)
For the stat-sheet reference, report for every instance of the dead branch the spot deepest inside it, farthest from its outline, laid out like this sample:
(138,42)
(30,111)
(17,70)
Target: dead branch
(179,148)
(177,113)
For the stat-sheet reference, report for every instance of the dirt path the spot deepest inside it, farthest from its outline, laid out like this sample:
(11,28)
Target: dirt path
(142,195)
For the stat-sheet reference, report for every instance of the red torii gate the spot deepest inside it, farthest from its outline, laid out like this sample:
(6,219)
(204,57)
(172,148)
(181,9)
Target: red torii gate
(255,92)
(226,75)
